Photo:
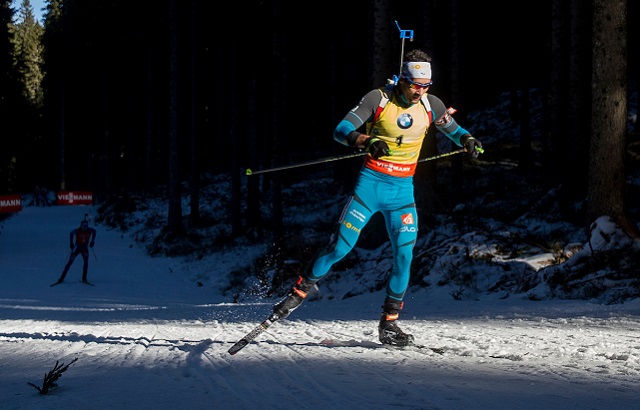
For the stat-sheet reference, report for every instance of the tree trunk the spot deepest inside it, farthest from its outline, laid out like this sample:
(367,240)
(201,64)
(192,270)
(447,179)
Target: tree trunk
(236,220)
(254,220)
(555,140)
(175,205)
(193,87)
(105,151)
(61,131)
(278,137)
(426,177)
(454,78)
(525,164)
(607,177)
(574,185)
(381,53)
(148,147)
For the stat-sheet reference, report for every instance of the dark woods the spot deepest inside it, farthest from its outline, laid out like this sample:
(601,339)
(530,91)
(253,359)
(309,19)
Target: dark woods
(156,95)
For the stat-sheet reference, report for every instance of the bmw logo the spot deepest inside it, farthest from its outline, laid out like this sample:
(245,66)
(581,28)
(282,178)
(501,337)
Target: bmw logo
(405,121)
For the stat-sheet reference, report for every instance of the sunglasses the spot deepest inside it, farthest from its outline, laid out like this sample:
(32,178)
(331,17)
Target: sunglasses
(418,85)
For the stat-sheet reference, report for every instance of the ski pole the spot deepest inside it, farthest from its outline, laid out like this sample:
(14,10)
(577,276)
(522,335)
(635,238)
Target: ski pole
(94,254)
(68,256)
(441,155)
(303,164)
(340,157)
(480,150)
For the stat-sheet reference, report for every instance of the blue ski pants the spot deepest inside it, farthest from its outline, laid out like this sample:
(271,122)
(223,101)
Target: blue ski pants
(391,196)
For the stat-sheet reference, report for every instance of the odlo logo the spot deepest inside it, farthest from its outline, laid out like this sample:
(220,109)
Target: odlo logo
(407,219)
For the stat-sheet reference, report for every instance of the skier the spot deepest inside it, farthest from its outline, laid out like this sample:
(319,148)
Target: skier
(84,238)
(397,118)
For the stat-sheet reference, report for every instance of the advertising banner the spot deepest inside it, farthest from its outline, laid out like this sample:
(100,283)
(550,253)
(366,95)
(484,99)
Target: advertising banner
(74,198)
(10,203)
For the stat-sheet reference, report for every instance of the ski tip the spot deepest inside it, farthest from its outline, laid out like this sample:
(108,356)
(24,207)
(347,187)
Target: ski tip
(238,346)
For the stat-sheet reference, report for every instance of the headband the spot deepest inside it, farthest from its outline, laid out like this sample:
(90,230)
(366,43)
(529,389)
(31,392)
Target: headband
(417,69)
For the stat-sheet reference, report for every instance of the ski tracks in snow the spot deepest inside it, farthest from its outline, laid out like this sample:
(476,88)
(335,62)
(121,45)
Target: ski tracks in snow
(316,364)
(322,357)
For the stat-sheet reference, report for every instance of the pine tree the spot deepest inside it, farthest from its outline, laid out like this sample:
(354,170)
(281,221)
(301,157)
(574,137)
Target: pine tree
(9,101)
(28,54)
(55,56)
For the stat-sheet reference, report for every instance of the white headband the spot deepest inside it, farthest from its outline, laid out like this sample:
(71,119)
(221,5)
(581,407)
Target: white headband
(417,69)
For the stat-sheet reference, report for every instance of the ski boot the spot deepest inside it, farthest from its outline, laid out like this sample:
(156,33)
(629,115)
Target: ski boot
(294,299)
(388,331)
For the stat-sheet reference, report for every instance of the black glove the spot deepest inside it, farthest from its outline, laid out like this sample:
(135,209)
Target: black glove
(472,146)
(91,244)
(376,147)
(71,245)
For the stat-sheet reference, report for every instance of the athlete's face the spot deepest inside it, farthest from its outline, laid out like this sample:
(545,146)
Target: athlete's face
(414,88)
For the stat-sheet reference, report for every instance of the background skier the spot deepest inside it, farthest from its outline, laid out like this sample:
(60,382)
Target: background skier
(84,239)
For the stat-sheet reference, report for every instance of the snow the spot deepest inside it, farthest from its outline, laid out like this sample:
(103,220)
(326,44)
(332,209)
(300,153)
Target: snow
(153,333)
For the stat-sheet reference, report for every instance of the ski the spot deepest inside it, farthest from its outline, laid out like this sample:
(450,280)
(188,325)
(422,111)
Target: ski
(58,283)
(240,344)
(438,350)
(413,346)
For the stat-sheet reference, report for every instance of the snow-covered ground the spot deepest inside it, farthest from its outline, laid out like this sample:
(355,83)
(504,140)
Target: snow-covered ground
(148,336)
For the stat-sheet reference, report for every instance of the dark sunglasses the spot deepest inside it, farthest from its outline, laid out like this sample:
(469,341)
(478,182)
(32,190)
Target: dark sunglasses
(418,85)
